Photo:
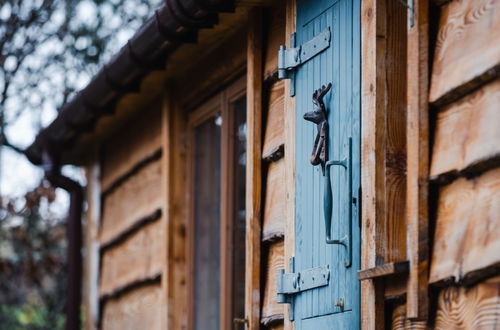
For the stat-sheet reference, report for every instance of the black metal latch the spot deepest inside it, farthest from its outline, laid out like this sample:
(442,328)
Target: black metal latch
(290,58)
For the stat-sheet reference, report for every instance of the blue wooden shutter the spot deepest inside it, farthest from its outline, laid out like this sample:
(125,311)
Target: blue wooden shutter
(339,64)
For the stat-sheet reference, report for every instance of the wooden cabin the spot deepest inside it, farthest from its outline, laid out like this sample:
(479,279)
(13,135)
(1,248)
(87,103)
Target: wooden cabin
(212,204)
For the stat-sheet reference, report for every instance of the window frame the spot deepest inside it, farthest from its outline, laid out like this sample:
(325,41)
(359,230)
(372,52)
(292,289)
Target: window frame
(222,103)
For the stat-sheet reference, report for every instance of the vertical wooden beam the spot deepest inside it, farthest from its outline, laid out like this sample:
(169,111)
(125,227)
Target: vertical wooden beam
(373,25)
(91,266)
(176,205)
(165,177)
(418,161)
(254,169)
(290,27)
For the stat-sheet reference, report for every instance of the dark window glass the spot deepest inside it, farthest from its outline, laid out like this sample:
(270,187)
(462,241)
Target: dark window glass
(207,225)
(239,219)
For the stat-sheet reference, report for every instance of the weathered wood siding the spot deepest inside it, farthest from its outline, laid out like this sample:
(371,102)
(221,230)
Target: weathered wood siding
(131,232)
(467,132)
(136,198)
(136,259)
(274,205)
(136,309)
(466,53)
(464,113)
(274,186)
(466,144)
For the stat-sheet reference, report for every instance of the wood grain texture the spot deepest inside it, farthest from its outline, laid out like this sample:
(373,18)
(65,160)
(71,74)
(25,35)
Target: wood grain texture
(274,133)
(398,318)
(476,307)
(372,106)
(393,239)
(139,257)
(254,169)
(467,134)
(417,129)
(134,310)
(177,264)
(275,36)
(271,310)
(275,202)
(122,151)
(400,322)
(290,126)
(383,146)
(137,197)
(467,49)
(467,228)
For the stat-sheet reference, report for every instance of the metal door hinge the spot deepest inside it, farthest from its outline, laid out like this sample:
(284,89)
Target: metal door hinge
(291,58)
(292,283)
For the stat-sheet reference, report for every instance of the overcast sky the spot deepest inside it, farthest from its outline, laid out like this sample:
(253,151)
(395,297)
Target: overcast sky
(17,174)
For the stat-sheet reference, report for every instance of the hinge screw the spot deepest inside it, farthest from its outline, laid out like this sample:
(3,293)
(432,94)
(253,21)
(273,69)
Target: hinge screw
(340,304)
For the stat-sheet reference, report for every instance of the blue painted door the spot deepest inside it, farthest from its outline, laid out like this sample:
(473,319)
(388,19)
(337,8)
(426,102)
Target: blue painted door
(337,305)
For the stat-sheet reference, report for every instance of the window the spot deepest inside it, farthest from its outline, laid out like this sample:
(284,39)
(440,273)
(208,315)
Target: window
(217,211)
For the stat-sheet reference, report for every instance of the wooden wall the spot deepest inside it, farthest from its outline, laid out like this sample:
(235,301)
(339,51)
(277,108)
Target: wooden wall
(131,234)
(464,177)
(464,174)
(273,167)
(465,165)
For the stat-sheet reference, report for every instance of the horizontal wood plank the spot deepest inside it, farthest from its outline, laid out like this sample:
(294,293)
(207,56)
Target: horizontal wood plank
(383,270)
(274,134)
(467,228)
(138,258)
(124,150)
(476,307)
(467,132)
(275,202)
(271,310)
(136,198)
(467,49)
(138,309)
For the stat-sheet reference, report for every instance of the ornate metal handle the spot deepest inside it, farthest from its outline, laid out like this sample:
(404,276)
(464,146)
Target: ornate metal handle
(328,205)
(319,155)
(319,116)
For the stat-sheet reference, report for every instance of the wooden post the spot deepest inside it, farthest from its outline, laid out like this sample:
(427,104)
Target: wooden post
(254,169)
(175,208)
(418,161)
(372,155)
(289,157)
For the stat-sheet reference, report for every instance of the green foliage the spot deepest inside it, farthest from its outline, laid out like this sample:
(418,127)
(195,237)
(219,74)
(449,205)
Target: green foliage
(32,262)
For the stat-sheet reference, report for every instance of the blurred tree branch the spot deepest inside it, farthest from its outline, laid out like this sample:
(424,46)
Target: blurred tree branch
(49,49)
